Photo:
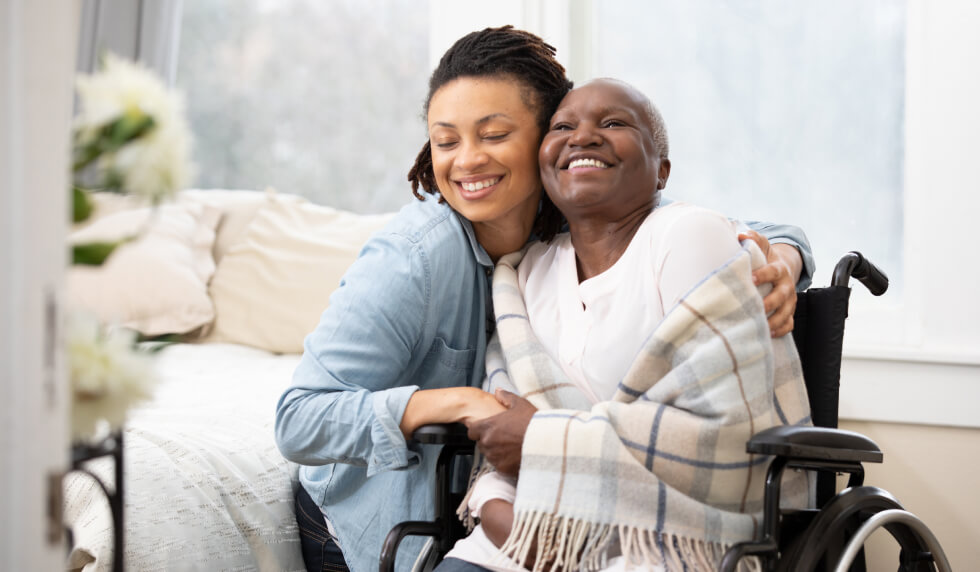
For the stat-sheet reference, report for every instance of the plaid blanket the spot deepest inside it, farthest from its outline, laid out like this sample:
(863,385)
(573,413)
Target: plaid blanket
(659,474)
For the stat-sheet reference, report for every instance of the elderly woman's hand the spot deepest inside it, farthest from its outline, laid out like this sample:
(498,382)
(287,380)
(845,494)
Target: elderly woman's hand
(783,271)
(501,437)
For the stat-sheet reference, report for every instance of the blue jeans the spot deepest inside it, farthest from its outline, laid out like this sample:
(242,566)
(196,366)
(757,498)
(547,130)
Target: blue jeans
(320,552)
(456,565)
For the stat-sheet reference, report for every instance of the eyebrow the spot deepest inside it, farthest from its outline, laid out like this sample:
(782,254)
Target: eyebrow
(614,108)
(610,109)
(480,121)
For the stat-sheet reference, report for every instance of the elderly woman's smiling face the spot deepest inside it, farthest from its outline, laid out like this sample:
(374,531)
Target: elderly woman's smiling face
(599,156)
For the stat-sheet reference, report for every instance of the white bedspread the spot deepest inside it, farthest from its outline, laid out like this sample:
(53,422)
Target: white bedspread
(205,485)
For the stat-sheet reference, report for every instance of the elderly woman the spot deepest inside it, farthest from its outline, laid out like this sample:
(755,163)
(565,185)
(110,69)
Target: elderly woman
(639,344)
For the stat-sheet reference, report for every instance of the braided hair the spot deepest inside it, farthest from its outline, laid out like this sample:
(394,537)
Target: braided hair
(509,53)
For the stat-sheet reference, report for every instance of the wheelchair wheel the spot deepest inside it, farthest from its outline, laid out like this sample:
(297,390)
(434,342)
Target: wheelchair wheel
(912,535)
(427,559)
(820,546)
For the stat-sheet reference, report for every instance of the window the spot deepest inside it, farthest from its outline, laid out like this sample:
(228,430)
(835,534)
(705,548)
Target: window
(321,99)
(864,106)
(787,112)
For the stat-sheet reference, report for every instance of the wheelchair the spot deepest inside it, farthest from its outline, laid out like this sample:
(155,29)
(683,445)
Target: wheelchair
(828,536)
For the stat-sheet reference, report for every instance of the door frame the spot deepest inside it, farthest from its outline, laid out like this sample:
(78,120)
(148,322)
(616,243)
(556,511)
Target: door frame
(37,61)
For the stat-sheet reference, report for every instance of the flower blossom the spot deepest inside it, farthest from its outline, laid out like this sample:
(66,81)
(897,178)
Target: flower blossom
(108,375)
(154,165)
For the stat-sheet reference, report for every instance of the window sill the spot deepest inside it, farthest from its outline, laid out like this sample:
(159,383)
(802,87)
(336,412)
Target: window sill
(903,354)
(910,386)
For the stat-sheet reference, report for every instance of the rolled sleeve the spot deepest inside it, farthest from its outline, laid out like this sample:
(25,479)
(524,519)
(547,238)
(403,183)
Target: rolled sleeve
(390,450)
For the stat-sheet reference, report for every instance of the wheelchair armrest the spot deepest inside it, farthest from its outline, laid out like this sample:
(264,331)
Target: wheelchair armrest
(816,443)
(442,434)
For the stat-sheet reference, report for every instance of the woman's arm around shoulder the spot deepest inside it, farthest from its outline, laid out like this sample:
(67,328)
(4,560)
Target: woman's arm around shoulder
(791,246)
(790,237)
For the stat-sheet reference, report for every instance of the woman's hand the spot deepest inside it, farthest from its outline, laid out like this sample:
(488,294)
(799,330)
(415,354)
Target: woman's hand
(448,405)
(501,437)
(783,268)
(478,405)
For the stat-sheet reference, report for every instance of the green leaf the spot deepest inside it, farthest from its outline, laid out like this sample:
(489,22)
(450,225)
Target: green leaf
(85,155)
(93,253)
(127,128)
(111,137)
(154,344)
(81,205)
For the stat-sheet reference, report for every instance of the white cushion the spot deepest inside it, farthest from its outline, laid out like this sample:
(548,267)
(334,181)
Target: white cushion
(156,284)
(271,287)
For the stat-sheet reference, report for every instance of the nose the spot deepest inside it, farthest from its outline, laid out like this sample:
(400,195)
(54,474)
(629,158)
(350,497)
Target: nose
(471,156)
(584,135)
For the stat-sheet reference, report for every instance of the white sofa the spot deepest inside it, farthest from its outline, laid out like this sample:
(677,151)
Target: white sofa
(242,276)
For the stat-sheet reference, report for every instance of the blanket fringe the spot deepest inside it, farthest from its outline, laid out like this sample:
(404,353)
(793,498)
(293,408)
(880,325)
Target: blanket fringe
(560,543)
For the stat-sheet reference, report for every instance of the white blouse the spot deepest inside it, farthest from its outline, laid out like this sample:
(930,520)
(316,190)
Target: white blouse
(595,328)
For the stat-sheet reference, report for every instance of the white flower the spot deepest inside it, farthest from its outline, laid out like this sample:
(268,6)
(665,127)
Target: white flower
(156,165)
(108,375)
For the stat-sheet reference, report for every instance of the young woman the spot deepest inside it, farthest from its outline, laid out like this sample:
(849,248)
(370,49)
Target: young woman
(404,339)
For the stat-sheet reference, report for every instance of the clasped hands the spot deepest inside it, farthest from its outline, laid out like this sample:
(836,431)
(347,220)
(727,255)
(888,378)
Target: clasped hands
(500,436)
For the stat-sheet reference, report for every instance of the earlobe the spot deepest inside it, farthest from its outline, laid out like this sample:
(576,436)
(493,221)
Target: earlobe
(663,173)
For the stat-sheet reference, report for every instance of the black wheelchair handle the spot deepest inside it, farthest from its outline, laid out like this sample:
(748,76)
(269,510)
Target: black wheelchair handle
(442,434)
(856,265)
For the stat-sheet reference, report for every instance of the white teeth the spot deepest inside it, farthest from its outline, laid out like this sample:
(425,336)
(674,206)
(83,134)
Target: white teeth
(480,184)
(578,163)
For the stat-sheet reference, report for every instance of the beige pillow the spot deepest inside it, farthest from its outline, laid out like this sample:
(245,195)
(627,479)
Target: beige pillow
(156,284)
(270,289)
(238,208)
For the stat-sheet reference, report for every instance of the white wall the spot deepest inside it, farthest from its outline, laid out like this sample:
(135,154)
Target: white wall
(931,471)
(37,50)
(933,376)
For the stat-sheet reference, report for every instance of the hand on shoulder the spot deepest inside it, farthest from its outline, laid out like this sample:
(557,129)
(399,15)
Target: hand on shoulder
(782,270)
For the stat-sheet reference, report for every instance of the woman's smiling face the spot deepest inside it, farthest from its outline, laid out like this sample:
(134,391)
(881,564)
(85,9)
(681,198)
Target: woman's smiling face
(484,139)
(599,154)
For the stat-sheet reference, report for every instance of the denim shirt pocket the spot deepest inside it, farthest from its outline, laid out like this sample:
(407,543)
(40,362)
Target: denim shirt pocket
(447,366)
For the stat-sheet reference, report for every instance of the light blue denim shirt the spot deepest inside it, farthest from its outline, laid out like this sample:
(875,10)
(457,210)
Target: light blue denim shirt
(410,313)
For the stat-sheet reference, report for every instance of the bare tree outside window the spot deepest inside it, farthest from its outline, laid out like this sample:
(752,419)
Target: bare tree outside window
(321,99)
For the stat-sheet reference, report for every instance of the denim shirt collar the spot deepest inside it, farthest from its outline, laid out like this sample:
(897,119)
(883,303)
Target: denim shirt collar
(479,253)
